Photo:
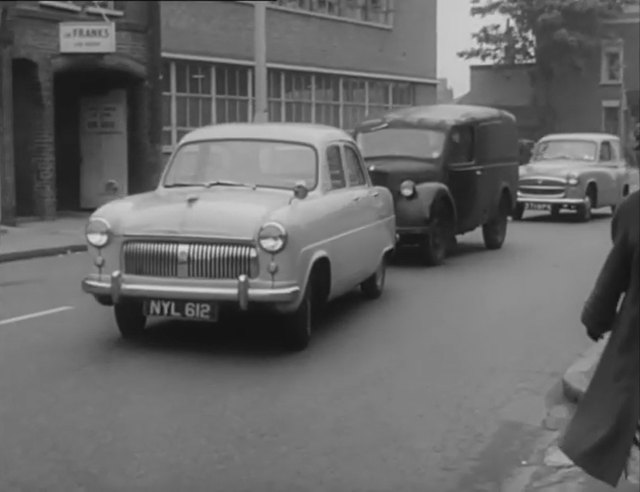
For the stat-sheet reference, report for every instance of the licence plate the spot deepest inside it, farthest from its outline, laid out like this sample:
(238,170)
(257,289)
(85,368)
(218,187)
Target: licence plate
(201,311)
(537,206)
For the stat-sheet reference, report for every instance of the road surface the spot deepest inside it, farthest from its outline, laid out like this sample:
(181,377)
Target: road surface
(441,385)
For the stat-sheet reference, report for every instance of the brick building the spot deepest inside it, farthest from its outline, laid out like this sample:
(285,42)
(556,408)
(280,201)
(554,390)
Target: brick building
(82,83)
(329,61)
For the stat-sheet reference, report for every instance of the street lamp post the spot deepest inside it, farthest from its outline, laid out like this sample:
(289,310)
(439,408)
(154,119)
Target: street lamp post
(261,114)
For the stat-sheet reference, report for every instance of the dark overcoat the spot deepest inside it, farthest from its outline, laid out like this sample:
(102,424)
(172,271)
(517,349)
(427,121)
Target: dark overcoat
(598,439)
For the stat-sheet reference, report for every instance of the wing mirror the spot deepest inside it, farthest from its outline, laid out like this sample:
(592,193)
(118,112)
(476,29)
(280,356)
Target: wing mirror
(300,191)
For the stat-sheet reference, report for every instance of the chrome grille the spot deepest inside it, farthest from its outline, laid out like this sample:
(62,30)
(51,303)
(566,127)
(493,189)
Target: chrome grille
(189,260)
(550,187)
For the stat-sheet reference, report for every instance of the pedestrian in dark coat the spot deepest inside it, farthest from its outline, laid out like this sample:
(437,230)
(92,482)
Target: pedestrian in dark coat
(600,435)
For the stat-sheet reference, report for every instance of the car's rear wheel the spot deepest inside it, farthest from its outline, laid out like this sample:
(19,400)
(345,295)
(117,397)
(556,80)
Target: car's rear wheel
(518,212)
(494,232)
(130,319)
(373,287)
(438,240)
(298,326)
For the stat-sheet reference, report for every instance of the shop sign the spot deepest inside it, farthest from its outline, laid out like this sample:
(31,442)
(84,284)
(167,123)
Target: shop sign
(87,37)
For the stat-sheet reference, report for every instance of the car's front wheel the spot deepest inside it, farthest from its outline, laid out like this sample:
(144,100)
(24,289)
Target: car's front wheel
(298,326)
(494,232)
(585,209)
(130,319)
(373,287)
(438,240)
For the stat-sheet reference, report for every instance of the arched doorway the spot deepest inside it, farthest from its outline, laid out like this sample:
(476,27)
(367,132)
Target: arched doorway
(98,108)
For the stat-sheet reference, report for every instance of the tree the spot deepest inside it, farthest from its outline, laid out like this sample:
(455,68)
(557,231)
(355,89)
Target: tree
(552,34)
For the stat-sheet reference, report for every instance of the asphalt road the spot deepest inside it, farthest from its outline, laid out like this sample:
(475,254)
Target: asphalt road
(440,385)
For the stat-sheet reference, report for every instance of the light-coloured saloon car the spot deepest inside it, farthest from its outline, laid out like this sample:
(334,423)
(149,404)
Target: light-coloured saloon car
(576,171)
(272,215)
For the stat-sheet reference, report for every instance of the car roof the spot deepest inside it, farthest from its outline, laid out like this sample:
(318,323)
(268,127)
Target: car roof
(307,133)
(597,136)
(438,116)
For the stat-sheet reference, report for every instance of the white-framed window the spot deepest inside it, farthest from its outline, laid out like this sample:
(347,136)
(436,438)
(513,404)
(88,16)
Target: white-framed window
(298,97)
(369,11)
(327,99)
(196,94)
(233,94)
(611,116)
(98,7)
(612,64)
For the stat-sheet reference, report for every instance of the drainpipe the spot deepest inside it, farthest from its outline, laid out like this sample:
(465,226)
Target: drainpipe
(7,178)
(260,55)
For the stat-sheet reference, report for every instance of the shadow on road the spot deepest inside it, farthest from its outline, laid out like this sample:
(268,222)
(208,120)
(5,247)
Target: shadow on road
(409,257)
(248,335)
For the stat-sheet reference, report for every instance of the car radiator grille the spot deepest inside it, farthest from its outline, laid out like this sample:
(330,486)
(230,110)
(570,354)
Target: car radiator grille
(542,187)
(189,260)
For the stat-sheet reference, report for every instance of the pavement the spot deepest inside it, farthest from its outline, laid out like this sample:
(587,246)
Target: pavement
(34,239)
(451,382)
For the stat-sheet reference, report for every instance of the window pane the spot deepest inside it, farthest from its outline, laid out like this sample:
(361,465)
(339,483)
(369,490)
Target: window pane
(275,112)
(334,162)
(194,112)
(182,133)
(298,112)
(327,88)
(205,111)
(354,168)
(181,111)
(274,86)
(353,115)
(181,77)
(354,90)
(328,114)
(378,92)
(232,81)
(166,110)
(166,76)
(403,93)
(221,80)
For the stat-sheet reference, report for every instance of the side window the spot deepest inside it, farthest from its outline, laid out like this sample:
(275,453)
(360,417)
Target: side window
(355,174)
(461,144)
(605,152)
(336,172)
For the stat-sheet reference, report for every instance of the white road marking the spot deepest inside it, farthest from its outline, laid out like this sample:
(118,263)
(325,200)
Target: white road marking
(35,315)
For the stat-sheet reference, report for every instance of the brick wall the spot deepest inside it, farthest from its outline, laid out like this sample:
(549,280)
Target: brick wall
(225,29)
(36,40)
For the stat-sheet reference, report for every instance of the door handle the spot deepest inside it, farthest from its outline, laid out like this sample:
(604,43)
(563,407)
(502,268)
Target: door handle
(375,194)
(356,199)
(478,172)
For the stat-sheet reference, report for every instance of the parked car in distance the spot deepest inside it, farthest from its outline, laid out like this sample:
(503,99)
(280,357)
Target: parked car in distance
(246,216)
(450,168)
(575,171)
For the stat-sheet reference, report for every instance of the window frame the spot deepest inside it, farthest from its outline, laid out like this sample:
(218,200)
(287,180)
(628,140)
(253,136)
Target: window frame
(359,164)
(609,48)
(331,186)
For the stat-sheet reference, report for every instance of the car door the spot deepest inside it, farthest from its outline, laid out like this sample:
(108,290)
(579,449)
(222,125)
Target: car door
(463,175)
(366,210)
(342,218)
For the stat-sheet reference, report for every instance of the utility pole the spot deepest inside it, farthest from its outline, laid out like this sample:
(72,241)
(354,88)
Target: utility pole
(261,114)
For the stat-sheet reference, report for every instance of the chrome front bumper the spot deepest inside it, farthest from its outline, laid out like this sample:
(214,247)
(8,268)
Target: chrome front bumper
(118,286)
(550,200)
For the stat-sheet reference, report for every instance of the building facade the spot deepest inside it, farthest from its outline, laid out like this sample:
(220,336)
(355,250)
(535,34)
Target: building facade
(84,99)
(603,96)
(329,61)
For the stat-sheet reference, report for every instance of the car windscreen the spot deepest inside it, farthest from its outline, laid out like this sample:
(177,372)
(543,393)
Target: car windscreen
(265,163)
(415,143)
(577,150)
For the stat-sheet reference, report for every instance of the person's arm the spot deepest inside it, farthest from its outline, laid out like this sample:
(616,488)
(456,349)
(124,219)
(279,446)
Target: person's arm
(600,309)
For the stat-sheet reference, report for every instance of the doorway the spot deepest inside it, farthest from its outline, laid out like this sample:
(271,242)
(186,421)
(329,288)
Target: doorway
(94,135)
(103,148)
